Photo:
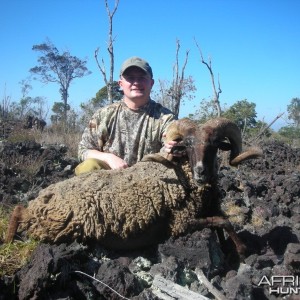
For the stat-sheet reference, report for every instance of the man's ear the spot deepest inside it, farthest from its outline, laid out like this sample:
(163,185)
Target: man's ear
(120,83)
(152,82)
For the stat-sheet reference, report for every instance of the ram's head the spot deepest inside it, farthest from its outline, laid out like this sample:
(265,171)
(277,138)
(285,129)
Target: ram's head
(202,143)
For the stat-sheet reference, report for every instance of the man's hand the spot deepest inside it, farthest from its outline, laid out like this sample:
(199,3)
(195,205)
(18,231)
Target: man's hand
(170,148)
(112,160)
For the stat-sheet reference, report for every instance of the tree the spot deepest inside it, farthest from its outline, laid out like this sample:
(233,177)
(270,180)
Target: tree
(206,111)
(28,105)
(100,100)
(217,92)
(294,111)
(261,129)
(61,68)
(290,132)
(171,95)
(110,49)
(59,112)
(243,114)
(34,106)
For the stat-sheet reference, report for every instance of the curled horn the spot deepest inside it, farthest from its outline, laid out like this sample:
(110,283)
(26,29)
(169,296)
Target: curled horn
(249,154)
(179,129)
(176,131)
(223,128)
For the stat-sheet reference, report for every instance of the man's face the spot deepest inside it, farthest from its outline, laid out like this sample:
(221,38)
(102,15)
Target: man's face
(136,84)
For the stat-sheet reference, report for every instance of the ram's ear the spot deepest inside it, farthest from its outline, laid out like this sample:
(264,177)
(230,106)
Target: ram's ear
(224,146)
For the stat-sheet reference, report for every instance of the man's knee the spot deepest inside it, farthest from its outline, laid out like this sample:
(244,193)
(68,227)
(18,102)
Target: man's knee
(89,165)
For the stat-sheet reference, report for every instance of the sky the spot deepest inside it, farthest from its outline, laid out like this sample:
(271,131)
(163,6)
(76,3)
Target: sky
(253,46)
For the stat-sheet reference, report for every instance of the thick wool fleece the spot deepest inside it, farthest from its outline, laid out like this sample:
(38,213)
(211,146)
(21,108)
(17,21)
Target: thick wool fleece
(120,203)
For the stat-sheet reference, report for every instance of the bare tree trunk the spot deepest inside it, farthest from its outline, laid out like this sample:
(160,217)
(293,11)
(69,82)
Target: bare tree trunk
(178,80)
(110,49)
(215,91)
(244,127)
(64,93)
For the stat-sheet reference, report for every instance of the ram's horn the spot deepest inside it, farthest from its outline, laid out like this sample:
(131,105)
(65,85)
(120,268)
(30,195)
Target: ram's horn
(180,129)
(222,128)
(249,154)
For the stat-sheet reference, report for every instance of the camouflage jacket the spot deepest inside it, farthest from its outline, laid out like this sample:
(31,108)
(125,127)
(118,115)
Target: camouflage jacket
(129,134)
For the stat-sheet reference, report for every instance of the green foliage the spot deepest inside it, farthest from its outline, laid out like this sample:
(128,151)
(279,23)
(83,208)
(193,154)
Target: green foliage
(64,125)
(294,111)
(28,106)
(243,114)
(293,142)
(101,96)
(206,111)
(59,112)
(61,68)
(290,132)
(14,256)
(260,129)
(100,100)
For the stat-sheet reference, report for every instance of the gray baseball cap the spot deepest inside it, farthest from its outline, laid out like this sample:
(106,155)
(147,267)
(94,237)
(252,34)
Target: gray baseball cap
(136,62)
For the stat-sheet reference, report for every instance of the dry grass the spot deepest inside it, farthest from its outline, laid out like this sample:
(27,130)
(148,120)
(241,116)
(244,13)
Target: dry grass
(257,221)
(52,136)
(21,135)
(27,165)
(4,218)
(234,213)
(71,140)
(13,255)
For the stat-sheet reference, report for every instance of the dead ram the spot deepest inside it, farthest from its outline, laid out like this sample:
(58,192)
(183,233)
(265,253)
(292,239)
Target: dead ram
(159,197)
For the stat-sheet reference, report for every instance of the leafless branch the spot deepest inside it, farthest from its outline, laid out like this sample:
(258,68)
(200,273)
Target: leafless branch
(216,91)
(101,67)
(166,289)
(110,49)
(202,278)
(177,84)
(263,130)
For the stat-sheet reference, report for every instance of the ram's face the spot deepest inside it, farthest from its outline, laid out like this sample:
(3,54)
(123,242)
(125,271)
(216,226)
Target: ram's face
(202,157)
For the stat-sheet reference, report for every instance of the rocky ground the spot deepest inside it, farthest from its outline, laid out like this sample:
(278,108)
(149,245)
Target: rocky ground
(262,199)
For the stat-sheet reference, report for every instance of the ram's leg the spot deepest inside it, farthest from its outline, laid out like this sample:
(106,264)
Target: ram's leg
(221,223)
(16,217)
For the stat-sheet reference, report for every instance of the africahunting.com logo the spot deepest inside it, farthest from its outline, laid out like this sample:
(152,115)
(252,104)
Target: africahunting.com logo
(281,285)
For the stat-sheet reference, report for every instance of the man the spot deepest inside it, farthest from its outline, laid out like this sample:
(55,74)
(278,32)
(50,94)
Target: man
(120,134)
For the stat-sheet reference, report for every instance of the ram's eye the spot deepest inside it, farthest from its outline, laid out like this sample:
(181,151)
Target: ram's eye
(189,141)
(178,149)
